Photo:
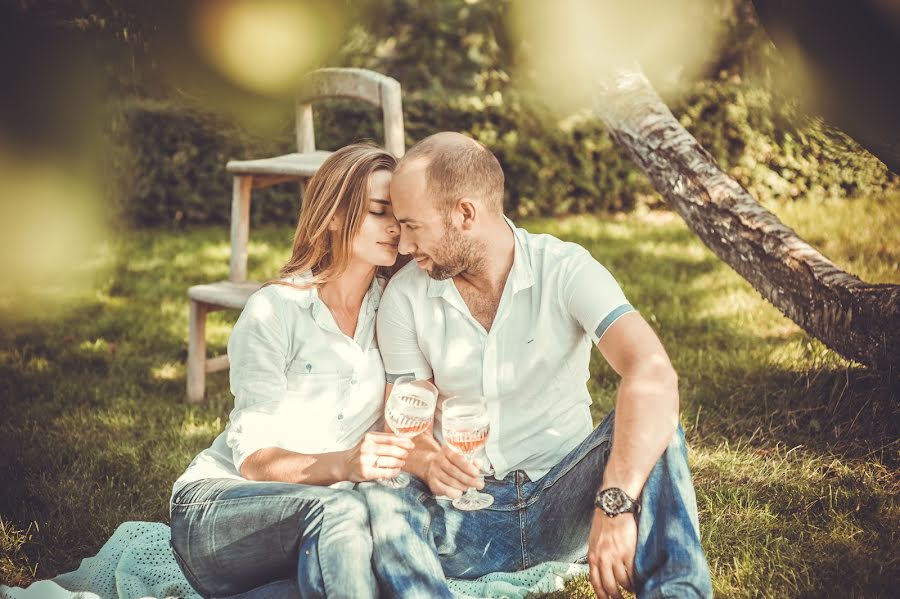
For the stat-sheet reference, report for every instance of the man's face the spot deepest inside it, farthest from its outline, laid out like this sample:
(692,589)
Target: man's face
(437,245)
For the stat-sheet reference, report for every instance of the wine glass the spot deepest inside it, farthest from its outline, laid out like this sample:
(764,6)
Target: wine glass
(465,426)
(409,411)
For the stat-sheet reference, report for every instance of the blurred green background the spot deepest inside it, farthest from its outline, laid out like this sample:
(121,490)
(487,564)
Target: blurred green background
(116,122)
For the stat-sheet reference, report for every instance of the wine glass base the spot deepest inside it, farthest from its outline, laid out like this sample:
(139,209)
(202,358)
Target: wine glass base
(470,502)
(398,482)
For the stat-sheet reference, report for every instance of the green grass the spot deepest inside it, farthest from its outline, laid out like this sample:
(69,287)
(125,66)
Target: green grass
(794,450)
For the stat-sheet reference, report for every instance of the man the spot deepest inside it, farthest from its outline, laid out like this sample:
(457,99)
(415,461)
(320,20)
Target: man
(490,310)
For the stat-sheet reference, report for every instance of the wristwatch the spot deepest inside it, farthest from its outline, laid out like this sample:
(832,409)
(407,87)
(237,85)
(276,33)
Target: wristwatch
(614,501)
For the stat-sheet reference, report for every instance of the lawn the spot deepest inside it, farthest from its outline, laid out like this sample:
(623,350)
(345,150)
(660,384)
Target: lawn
(794,450)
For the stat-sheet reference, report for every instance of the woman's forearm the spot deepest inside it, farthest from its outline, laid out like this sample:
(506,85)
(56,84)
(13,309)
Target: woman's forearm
(277,464)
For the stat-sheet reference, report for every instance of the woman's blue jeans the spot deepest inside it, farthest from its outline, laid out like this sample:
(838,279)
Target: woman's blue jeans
(420,539)
(256,540)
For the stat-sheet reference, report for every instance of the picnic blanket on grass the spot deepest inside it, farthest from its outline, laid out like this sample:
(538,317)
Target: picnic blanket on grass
(137,562)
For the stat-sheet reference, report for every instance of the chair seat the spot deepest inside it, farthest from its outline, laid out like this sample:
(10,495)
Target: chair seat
(224,293)
(296,164)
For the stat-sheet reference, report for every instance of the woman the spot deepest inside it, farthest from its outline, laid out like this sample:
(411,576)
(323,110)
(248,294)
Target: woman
(263,511)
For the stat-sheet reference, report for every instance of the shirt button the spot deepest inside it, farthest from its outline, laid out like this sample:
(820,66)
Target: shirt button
(354,380)
(340,416)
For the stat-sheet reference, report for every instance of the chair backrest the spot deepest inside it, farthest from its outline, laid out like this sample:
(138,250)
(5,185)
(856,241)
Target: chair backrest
(359,84)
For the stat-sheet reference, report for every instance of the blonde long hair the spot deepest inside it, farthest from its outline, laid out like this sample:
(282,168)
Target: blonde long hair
(340,188)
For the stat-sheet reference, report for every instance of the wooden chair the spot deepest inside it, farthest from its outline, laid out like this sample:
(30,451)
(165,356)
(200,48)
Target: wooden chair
(322,84)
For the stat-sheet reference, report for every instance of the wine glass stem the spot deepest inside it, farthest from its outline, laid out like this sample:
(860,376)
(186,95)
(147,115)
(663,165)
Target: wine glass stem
(471,490)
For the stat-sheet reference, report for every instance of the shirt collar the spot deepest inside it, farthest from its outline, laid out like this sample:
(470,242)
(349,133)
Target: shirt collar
(521,275)
(310,297)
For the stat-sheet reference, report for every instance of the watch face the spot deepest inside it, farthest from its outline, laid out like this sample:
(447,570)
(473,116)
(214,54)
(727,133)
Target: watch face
(614,501)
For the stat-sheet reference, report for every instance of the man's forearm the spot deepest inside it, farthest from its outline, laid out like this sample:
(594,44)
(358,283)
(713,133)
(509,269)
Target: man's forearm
(646,418)
(419,459)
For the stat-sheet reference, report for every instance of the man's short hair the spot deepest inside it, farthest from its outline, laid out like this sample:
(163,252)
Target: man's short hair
(457,167)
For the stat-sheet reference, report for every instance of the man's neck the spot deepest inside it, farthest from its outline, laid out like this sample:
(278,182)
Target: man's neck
(499,254)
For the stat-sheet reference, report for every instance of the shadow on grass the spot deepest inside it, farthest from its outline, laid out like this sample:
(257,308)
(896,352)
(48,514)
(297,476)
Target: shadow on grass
(96,431)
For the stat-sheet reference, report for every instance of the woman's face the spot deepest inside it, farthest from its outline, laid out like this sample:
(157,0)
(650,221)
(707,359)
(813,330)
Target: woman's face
(376,242)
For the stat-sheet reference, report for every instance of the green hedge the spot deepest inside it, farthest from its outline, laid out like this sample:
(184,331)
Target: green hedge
(169,161)
(772,150)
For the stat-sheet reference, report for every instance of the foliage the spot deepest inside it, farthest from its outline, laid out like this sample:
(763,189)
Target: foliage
(170,160)
(793,450)
(774,151)
(167,166)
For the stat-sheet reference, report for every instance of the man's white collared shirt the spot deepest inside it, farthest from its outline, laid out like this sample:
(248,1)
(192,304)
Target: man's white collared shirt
(532,366)
(299,383)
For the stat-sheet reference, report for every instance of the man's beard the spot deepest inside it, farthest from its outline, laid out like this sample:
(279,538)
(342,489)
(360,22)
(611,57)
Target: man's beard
(455,254)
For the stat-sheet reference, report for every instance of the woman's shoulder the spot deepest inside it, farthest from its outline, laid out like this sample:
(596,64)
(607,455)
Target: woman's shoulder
(278,294)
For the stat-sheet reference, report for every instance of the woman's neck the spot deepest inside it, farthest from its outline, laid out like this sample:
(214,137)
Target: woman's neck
(348,290)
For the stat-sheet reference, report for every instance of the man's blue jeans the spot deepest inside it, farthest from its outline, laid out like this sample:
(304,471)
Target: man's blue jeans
(419,539)
(256,540)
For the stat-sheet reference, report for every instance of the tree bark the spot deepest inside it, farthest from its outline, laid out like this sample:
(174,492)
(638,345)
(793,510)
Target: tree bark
(858,320)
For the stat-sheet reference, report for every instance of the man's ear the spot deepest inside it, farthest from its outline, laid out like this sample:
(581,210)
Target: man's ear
(468,210)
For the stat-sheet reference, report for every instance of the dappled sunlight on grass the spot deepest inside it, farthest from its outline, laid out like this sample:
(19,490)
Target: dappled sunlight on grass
(671,249)
(794,450)
(218,328)
(15,565)
(170,371)
(192,428)
(860,236)
(756,504)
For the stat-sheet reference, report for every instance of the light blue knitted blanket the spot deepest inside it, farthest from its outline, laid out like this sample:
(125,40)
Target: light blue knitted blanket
(137,563)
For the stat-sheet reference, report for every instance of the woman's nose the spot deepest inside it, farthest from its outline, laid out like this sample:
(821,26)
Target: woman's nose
(404,246)
(393,227)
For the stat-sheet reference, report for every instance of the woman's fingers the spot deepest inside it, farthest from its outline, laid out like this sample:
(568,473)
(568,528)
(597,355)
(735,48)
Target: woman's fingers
(381,444)
(391,439)
(392,451)
(388,462)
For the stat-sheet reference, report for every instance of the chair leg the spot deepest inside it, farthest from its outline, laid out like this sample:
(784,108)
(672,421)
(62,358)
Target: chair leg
(196,358)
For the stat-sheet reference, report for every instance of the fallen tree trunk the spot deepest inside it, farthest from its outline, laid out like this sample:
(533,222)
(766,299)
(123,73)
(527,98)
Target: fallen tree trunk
(858,320)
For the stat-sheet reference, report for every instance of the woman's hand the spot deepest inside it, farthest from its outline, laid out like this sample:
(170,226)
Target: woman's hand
(378,455)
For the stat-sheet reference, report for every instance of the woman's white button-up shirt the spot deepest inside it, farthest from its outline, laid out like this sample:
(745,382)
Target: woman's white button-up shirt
(299,383)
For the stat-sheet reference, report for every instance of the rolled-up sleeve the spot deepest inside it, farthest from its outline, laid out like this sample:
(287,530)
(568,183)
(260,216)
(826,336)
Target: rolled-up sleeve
(593,296)
(397,337)
(257,352)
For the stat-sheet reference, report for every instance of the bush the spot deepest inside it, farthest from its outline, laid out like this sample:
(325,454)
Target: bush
(762,141)
(167,166)
(170,160)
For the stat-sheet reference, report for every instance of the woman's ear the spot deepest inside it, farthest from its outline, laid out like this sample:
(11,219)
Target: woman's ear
(334,224)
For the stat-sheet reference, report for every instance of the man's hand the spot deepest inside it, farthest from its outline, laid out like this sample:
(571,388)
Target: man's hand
(611,547)
(449,473)
(378,455)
